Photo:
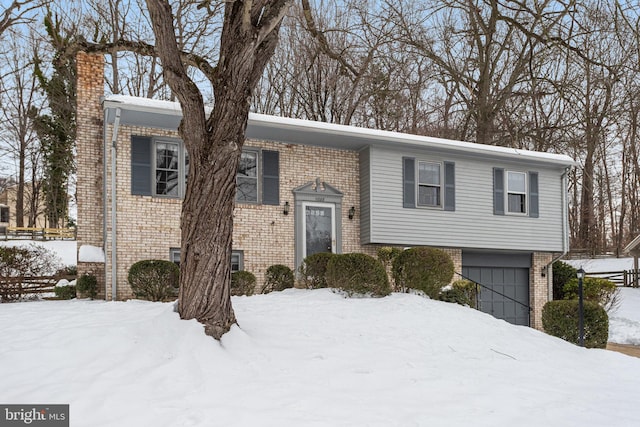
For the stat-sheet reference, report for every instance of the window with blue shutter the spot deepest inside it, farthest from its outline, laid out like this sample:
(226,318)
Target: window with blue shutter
(141,166)
(533,195)
(408,182)
(428,184)
(270,177)
(449,186)
(498,191)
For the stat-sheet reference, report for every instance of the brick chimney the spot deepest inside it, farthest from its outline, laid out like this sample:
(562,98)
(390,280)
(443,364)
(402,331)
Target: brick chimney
(89,160)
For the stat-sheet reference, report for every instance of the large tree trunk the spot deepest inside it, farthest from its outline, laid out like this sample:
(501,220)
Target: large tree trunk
(249,38)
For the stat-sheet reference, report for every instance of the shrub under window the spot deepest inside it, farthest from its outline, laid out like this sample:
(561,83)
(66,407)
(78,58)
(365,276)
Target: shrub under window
(243,283)
(424,269)
(154,280)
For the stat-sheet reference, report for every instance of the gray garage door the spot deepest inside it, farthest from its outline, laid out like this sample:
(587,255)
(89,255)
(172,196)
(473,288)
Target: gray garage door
(510,285)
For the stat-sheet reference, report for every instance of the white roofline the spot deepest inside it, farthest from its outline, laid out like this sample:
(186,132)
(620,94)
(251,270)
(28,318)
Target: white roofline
(373,135)
(631,246)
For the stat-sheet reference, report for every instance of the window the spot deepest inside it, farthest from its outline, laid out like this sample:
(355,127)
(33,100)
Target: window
(247,177)
(171,168)
(4,213)
(160,166)
(430,184)
(174,255)
(429,188)
(516,192)
(237,259)
(167,169)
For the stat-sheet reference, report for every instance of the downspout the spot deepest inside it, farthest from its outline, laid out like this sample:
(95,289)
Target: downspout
(114,222)
(565,233)
(104,199)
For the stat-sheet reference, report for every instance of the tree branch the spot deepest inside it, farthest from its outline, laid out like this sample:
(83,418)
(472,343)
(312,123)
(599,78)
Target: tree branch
(324,44)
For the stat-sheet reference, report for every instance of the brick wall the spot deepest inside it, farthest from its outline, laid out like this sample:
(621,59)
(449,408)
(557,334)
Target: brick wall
(148,227)
(538,287)
(90,71)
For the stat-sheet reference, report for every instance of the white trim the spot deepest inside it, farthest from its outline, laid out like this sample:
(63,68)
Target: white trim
(332,206)
(440,204)
(370,136)
(506,193)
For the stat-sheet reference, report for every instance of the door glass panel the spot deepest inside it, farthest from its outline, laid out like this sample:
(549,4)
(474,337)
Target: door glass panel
(318,229)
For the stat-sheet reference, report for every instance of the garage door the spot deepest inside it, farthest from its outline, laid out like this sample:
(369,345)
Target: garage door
(505,292)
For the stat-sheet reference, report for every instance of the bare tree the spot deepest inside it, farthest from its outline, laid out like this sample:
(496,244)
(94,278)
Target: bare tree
(17,136)
(249,37)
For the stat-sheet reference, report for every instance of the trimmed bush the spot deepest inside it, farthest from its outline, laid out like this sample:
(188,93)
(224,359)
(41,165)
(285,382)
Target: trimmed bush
(357,274)
(278,277)
(87,285)
(65,290)
(387,254)
(243,283)
(562,273)
(154,279)
(313,270)
(601,291)
(462,292)
(424,269)
(560,319)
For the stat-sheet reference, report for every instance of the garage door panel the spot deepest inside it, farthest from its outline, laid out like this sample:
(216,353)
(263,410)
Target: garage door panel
(500,285)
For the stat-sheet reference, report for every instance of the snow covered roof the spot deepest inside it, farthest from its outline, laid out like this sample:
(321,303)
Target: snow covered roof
(632,248)
(167,115)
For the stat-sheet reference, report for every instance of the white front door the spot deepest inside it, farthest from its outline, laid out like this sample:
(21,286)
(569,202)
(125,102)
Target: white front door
(319,227)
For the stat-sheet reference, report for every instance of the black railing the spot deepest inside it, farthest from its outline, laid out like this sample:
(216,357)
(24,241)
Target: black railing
(478,284)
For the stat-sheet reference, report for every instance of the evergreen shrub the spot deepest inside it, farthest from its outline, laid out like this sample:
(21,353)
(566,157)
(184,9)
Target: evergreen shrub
(462,292)
(313,270)
(66,291)
(87,285)
(562,273)
(154,279)
(424,269)
(243,283)
(598,290)
(560,319)
(278,277)
(357,273)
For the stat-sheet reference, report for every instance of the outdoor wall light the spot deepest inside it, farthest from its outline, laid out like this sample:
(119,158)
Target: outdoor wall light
(285,210)
(352,212)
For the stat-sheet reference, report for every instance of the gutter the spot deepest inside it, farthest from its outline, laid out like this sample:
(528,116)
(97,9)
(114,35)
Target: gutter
(114,217)
(565,234)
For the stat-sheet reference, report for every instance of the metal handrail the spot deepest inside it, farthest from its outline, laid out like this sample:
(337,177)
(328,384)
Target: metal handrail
(492,290)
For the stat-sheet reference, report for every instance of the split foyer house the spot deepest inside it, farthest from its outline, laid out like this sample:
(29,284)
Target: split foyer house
(305,187)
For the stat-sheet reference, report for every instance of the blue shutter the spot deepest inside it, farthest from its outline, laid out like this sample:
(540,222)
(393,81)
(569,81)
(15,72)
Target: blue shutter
(534,211)
(449,186)
(141,165)
(498,191)
(408,182)
(270,177)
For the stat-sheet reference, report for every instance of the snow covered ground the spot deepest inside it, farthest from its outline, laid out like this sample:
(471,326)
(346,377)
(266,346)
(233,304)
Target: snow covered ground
(307,358)
(312,358)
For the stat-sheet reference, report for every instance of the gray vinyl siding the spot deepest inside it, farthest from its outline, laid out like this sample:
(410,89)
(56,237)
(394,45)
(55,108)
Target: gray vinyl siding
(365,196)
(473,223)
